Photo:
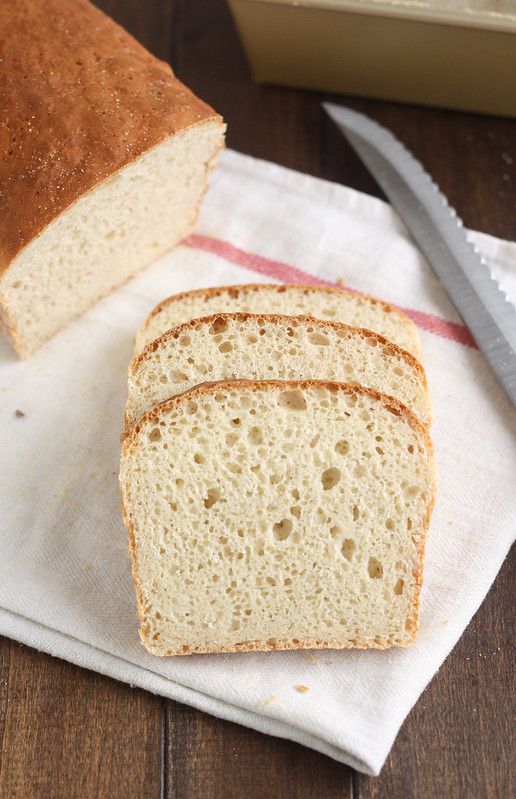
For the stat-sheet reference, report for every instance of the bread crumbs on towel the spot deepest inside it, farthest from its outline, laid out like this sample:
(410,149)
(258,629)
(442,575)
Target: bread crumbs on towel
(269,699)
(302,689)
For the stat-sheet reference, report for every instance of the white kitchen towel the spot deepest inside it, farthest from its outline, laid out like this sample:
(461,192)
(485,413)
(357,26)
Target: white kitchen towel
(65,584)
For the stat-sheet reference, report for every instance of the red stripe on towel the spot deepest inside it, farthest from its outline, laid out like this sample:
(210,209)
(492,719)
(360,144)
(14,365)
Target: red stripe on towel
(291,274)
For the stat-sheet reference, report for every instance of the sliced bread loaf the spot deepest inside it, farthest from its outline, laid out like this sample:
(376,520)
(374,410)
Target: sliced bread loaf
(104,159)
(277,515)
(240,345)
(338,305)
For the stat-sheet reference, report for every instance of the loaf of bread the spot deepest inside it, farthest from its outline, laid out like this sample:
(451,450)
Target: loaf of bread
(277,515)
(104,157)
(338,305)
(240,345)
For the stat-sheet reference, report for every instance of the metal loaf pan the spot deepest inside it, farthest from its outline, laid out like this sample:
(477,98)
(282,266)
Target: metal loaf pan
(448,53)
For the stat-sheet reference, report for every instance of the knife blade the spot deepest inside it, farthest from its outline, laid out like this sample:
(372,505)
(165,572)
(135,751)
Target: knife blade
(439,233)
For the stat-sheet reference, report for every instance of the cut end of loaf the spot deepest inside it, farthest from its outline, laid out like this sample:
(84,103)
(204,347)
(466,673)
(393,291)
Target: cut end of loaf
(277,516)
(107,236)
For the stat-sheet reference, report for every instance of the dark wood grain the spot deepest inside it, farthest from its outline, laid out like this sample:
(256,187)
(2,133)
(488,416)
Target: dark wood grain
(472,157)
(69,733)
(265,122)
(73,734)
(209,757)
(458,741)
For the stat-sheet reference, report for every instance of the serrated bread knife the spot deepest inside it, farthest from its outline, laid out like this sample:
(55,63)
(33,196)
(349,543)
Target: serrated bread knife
(439,233)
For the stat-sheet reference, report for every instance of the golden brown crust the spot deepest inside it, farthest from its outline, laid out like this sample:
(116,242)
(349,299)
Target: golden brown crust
(9,330)
(264,646)
(419,536)
(80,100)
(248,288)
(275,318)
(131,547)
(390,403)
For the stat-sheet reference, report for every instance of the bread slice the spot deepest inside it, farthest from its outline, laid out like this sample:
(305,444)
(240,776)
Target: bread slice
(240,345)
(104,157)
(338,305)
(277,515)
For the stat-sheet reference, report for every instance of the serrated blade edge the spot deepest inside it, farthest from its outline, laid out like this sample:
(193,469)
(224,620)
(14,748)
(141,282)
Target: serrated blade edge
(439,232)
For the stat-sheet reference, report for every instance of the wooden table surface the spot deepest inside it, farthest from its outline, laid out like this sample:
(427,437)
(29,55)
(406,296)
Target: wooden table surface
(71,733)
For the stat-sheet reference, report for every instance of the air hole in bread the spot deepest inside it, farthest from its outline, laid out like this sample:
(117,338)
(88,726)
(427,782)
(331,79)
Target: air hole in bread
(185,341)
(199,457)
(281,530)
(389,523)
(252,339)
(212,497)
(226,346)
(177,377)
(347,548)
(255,435)
(155,434)
(259,548)
(296,511)
(342,447)
(356,513)
(398,588)
(374,568)
(292,400)
(319,339)
(314,441)
(330,477)
(219,325)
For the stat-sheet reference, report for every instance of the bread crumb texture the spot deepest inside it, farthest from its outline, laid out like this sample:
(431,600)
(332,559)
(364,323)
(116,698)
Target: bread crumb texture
(323,302)
(277,515)
(240,345)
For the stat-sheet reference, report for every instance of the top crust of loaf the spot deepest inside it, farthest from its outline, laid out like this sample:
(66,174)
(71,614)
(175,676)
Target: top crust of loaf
(353,389)
(80,99)
(250,288)
(242,316)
